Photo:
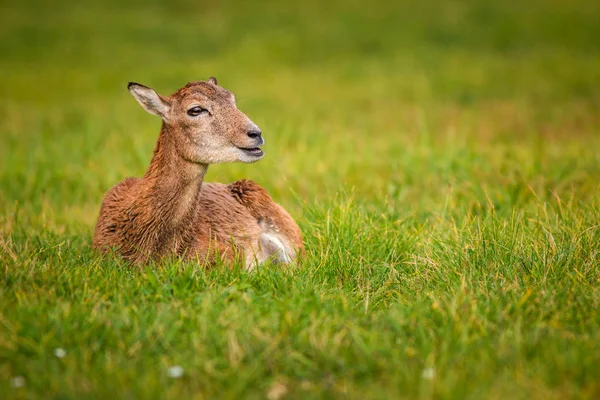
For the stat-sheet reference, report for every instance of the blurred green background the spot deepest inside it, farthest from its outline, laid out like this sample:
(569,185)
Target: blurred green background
(441,157)
(345,92)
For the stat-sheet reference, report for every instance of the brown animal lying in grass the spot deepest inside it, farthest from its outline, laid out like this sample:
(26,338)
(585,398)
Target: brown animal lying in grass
(169,211)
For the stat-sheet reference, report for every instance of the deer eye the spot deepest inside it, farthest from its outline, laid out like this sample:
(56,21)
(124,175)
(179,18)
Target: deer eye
(195,111)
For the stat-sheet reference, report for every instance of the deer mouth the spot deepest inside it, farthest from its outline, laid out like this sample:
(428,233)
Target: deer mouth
(253,151)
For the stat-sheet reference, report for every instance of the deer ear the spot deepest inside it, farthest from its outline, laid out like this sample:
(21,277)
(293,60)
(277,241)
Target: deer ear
(149,99)
(212,80)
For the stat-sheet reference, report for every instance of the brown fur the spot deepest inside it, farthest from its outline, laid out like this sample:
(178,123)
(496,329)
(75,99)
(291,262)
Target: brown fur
(169,211)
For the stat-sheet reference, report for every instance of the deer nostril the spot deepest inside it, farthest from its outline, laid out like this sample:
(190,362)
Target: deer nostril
(254,134)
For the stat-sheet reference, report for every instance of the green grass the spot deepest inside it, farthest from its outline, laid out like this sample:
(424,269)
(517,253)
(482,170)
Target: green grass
(442,159)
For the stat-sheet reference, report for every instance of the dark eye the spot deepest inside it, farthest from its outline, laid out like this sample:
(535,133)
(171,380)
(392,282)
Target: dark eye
(195,111)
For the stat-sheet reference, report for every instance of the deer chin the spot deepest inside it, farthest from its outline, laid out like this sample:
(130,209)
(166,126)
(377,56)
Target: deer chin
(250,154)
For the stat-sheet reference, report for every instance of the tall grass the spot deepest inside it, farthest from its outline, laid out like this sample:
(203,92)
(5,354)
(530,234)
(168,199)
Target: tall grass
(441,158)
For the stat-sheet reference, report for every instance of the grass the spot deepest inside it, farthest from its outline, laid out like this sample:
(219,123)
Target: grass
(441,158)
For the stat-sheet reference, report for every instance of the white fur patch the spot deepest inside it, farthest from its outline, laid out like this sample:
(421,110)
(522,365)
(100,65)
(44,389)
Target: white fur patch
(272,247)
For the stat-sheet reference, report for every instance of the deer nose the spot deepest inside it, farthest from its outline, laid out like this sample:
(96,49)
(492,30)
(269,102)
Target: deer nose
(254,134)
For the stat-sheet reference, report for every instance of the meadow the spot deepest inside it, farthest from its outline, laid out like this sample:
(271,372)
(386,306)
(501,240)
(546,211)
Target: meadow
(442,159)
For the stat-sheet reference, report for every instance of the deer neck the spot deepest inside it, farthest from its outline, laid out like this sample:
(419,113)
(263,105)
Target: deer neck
(172,185)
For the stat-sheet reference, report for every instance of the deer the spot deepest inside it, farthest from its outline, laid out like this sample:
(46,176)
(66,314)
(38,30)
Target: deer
(172,212)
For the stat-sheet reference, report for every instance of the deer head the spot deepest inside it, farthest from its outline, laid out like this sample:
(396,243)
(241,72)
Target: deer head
(204,123)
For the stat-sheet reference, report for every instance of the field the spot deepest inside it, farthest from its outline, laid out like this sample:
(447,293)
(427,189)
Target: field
(442,159)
